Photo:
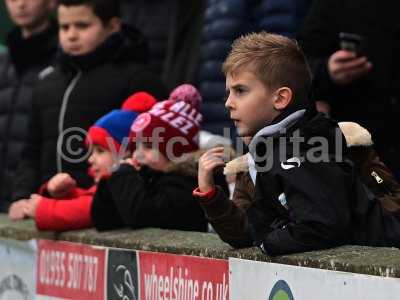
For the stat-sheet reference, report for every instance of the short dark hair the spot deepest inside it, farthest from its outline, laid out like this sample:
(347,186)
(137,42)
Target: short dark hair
(104,9)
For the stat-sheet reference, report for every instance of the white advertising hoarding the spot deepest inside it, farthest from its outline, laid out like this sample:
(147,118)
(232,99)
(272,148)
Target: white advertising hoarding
(269,281)
(17,269)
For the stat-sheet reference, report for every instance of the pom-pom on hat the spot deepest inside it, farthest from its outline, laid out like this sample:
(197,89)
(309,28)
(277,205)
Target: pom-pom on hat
(171,126)
(110,130)
(139,102)
(187,93)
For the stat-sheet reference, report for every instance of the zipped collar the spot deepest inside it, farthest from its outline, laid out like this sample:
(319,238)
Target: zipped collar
(274,129)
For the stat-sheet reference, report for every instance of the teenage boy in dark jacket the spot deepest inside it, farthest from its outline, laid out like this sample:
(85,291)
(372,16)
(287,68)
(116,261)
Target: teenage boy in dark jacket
(31,47)
(308,194)
(101,63)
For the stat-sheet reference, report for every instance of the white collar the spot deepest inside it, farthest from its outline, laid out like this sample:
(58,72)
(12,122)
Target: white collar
(272,129)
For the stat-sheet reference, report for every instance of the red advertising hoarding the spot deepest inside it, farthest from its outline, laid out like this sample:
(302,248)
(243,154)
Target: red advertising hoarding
(67,270)
(173,277)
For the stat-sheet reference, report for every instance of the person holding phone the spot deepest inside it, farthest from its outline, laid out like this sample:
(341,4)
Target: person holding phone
(353,49)
(349,63)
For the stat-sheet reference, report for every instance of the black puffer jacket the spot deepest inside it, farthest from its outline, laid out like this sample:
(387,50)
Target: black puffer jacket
(71,98)
(303,204)
(19,70)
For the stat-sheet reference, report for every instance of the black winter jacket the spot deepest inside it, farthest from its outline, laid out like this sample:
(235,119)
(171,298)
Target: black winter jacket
(374,100)
(302,205)
(77,92)
(148,199)
(19,70)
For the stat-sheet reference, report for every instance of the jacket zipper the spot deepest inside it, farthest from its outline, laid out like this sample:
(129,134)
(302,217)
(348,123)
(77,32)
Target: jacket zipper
(61,118)
(380,182)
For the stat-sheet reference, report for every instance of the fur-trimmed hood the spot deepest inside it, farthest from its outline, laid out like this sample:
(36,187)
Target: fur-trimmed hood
(355,134)
(189,166)
(238,165)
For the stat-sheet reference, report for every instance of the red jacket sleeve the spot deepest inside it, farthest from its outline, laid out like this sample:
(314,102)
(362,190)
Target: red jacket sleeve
(73,193)
(65,214)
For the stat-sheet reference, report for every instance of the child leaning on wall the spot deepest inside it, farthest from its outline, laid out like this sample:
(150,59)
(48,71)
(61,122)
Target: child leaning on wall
(308,193)
(60,204)
(154,187)
(229,219)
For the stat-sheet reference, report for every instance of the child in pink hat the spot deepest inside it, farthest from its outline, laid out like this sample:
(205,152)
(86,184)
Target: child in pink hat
(60,204)
(154,187)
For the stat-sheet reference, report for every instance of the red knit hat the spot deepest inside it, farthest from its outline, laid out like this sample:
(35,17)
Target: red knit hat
(171,126)
(114,126)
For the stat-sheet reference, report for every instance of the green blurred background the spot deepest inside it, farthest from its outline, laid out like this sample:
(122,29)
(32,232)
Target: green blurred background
(5,23)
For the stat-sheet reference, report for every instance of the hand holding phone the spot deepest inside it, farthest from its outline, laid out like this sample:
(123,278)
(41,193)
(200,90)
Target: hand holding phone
(351,42)
(348,64)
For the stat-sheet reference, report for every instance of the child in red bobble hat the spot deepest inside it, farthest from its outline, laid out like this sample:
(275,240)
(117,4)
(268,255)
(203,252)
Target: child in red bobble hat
(154,187)
(60,204)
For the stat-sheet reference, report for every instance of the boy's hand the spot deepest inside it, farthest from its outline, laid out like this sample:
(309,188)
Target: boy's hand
(59,185)
(345,67)
(208,162)
(31,205)
(133,162)
(16,211)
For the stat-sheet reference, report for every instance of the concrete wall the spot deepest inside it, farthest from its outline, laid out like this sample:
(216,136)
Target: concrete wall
(363,260)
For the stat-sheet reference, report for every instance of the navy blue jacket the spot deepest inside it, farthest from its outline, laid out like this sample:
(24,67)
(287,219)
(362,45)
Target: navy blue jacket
(226,20)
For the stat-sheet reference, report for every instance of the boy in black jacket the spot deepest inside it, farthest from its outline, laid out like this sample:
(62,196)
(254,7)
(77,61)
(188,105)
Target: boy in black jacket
(101,63)
(308,195)
(154,187)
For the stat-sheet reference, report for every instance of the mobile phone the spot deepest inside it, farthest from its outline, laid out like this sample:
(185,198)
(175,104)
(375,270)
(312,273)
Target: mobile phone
(351,42)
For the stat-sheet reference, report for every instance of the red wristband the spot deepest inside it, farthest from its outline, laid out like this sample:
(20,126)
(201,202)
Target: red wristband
(207,195)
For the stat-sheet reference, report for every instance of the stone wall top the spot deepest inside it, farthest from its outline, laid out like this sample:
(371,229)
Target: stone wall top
(363,260)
